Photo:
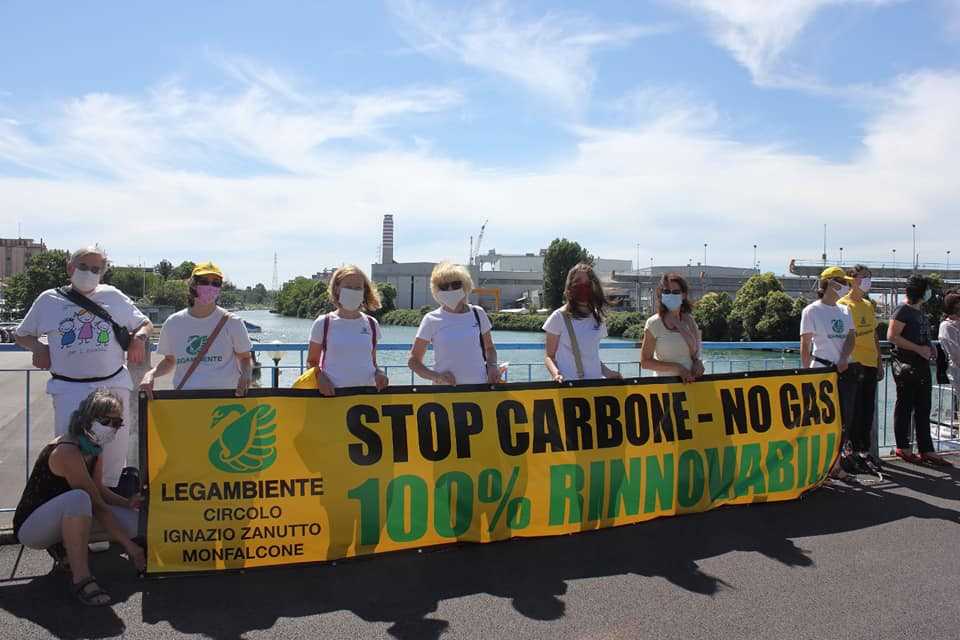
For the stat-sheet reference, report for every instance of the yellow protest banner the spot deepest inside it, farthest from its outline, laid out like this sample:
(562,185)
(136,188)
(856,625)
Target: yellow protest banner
(288,476)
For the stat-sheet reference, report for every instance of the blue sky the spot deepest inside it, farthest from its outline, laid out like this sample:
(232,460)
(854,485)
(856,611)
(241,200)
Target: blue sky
(230,130)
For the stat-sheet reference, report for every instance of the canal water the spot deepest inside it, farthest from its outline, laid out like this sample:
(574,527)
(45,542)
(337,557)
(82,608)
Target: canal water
(525,364)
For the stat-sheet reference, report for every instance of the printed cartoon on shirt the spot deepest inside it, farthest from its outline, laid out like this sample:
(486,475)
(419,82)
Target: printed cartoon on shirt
(85,318)
(83,332)
(68,332)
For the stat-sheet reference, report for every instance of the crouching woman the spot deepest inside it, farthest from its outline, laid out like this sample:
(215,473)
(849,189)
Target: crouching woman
(65,505)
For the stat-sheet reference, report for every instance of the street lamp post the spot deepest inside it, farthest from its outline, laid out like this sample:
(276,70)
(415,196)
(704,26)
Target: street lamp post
(756,265)
(276,355)
(841,256)
(894,251)
(948,259)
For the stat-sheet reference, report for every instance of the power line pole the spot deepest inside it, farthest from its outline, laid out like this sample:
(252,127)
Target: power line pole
(276,273)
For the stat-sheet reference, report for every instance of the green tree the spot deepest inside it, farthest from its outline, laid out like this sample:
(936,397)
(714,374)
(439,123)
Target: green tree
(164,269)
(780,320)
(183,270)
(388,297)
(293,295)
(172,294)
(711,314)
(750,305)
(561,255)
(934,307)
(43,271)
(132,281)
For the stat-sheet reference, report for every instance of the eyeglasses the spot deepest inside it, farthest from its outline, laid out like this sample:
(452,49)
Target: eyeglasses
(450,286)
(676,291)
(113,421)
(85,267)
(208,282)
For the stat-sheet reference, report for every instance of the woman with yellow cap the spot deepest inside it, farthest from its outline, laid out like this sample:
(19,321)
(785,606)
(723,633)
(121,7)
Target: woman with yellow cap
(205,346)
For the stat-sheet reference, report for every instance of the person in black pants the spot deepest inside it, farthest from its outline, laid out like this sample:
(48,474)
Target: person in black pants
(909,332)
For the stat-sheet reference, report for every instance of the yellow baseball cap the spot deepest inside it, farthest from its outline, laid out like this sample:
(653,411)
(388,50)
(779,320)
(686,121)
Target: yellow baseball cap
(206,269)
(834,272)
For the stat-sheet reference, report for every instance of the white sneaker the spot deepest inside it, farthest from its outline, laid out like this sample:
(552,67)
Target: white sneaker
(99,547)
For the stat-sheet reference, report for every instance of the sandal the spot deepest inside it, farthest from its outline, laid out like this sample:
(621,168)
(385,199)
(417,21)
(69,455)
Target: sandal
(907,456)
(90,597)
(935,460)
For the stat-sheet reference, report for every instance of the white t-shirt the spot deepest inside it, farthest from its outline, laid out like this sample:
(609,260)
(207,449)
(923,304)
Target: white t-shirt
(184,335)
(456,342)
(348,360)
(829,326)
(81,344)
(588,336)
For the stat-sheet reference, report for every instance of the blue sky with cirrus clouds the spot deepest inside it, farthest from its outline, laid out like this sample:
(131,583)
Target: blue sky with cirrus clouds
(228,131)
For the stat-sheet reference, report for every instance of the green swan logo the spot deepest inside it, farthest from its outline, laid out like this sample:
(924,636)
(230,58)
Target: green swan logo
(247,444)
(195,344)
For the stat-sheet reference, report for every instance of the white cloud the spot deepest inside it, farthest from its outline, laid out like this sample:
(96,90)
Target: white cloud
(759,32)
(550,56)
(150,176)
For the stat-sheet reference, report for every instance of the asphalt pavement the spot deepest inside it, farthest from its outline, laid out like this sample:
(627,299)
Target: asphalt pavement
(871,561)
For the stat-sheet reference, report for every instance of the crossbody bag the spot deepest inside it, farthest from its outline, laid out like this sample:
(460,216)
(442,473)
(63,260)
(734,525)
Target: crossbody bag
(121,333)
(574,345)
(203,351)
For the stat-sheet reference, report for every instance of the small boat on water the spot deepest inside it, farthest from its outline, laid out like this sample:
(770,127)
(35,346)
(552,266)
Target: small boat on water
(252,328)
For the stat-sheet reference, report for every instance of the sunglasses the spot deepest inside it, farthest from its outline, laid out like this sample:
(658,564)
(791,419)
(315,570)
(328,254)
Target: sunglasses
(676,291)
(450,286)
(84,267)
(208,282)
(113,421)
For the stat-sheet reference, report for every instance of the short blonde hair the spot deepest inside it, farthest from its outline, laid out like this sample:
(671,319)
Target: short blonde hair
(371,297)
(448,272)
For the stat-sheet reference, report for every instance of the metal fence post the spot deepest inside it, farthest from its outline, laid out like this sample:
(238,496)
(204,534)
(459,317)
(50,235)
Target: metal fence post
(26,456)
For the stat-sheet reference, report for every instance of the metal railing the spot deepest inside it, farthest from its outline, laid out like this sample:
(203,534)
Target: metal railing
(945,425)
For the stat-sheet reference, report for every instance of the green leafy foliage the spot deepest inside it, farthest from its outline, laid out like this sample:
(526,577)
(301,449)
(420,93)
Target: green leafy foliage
(45,270)
(751,304)
(388,297)
(183,270)
(634,332)
(619,321)
(711,314)
(561,255)
(303,298)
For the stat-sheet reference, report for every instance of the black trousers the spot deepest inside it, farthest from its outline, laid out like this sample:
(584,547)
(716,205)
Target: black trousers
(847,383)
(914,387)
(864,408)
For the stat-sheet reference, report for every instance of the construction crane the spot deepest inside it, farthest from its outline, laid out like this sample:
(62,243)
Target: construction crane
(475,248)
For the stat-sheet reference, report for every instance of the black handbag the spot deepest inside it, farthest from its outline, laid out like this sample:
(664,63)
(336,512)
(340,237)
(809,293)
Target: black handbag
(121,333)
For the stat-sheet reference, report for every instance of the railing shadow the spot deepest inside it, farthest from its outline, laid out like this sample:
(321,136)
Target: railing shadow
(403,589)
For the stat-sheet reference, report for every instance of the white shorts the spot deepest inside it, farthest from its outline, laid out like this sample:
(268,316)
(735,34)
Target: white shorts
(68,399)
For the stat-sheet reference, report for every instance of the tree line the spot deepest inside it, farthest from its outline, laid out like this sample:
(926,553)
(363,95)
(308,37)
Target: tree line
(162,285)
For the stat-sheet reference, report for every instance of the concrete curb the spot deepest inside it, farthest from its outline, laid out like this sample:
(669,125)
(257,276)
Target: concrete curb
(7,537)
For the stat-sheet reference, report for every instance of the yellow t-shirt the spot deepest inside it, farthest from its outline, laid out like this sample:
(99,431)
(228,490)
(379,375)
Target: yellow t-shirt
(864,318)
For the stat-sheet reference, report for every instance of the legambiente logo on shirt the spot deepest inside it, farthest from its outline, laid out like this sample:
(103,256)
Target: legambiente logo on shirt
(194,346)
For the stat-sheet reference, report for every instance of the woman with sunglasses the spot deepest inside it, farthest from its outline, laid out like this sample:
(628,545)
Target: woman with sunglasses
(574,331)
(205,346)
(463,349)
(65,503)
(671,337)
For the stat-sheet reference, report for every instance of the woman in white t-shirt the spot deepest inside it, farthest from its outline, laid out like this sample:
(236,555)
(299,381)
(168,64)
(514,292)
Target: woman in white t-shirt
(671,337)
(343,343)
(583,312)
(463,349)
(226,363)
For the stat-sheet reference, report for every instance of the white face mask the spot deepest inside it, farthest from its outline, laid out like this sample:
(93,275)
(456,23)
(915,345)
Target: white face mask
(672,301)
(102,434)
(841,289)
(450,299)
(351,299)
(85,280)
(865,285)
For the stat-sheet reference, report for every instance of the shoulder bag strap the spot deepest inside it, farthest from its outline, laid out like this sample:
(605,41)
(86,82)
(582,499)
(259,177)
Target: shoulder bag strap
(373,339)
(81,300)
(483,350)
(203,351)
(574,345)
(326,332)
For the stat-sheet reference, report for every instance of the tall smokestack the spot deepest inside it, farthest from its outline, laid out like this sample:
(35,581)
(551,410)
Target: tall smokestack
(387,257)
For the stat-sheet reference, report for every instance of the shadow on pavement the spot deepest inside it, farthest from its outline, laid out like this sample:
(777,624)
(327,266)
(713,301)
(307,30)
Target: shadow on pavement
(404,589)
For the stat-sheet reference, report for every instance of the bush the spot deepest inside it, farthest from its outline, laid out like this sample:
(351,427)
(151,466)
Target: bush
(402,318)
(517,322)
(620,321)
(634,332)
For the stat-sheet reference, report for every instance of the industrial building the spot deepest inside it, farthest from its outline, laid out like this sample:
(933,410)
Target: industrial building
(14,254)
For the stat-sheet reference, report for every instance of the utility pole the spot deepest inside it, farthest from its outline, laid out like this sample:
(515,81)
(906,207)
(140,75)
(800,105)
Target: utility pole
(824,255)
(914,247)
(637,271)
(756,265)
(276,273)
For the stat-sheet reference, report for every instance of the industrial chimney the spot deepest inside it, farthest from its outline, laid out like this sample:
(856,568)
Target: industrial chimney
(387,257)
